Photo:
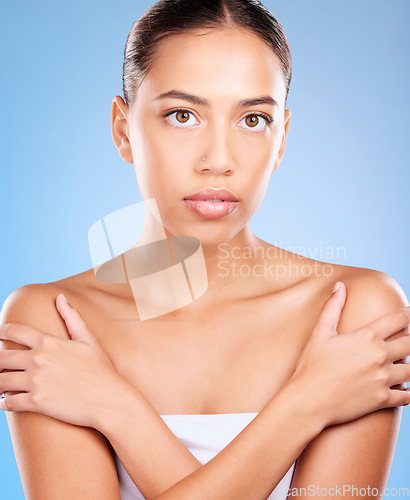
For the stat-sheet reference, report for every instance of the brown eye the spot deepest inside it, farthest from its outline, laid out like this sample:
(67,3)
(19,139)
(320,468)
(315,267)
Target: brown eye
(182,116)
(252,120)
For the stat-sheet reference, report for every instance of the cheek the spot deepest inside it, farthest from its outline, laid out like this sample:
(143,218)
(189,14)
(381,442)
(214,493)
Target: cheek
(257,161)
(256,149)
(164,163)
(167,144)
(152,156)
(257,166)
(257,190)
(158,144)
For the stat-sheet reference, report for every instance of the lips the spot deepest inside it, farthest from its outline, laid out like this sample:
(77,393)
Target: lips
(212,194)
(211,203)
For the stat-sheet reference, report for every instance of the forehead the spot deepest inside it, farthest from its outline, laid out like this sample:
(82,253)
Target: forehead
(217,63)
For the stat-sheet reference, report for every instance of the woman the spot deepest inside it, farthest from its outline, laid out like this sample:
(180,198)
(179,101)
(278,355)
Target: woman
(258,353)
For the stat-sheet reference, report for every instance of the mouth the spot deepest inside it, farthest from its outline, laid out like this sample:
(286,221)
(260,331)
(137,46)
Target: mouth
(212,194)
(212,203)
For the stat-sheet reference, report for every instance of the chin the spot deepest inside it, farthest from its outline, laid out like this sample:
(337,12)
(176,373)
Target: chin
(209,235)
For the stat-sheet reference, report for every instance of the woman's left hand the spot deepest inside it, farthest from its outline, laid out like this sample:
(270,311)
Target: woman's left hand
(71,380)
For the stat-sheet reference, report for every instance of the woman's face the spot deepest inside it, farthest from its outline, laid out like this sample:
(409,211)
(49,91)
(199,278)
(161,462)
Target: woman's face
(218,68)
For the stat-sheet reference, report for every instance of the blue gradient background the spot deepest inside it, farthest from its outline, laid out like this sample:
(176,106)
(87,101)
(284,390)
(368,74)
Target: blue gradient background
(343,182)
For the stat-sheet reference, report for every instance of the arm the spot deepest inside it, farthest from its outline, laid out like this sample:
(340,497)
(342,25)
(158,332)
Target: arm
(153,455)
(253,442)
(250,466)
(254,462)
(358,453)
(56,460)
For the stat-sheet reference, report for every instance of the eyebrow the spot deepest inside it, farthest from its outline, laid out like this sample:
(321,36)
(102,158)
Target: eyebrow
(266,99)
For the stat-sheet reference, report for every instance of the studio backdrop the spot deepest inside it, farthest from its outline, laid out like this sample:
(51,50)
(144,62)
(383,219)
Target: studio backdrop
(340,194)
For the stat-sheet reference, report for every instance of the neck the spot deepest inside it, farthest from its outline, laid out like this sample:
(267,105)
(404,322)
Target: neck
(221,261)
(211,266)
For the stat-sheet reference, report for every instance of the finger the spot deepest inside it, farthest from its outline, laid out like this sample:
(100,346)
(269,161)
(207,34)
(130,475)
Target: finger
(14,359)
(398,348)
(330,314)
(399,374)
(388,324)
(14,381)
(22,334)
(76,326)
(17,402)
(398,397)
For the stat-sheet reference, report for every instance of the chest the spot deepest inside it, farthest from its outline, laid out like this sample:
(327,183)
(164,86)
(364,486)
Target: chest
(230,361)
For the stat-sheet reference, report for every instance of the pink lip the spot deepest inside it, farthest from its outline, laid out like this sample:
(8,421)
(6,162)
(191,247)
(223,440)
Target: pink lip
(214,194)
(208,209)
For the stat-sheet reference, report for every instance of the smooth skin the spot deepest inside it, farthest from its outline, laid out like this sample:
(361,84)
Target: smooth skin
(272,440)
(235,348)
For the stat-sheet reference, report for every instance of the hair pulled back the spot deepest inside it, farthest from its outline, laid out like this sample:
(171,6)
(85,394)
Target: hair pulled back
(172,17)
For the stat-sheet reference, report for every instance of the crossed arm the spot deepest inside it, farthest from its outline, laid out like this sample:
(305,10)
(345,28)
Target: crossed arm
(60,460)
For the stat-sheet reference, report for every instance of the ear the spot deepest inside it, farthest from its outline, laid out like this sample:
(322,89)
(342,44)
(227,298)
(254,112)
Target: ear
(120,129)
(283,144)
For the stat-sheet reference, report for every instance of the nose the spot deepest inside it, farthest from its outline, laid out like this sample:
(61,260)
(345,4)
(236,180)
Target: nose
(218,154)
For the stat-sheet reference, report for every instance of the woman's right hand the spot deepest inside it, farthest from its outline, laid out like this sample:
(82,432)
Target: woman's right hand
(347,376)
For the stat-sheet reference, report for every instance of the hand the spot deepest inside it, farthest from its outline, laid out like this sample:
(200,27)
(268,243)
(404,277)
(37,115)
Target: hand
(347,376)
(70,380)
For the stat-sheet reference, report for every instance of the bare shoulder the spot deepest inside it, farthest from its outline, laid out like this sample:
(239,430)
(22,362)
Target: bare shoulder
(34,304)
(370,294)
(47,449)
(369,441)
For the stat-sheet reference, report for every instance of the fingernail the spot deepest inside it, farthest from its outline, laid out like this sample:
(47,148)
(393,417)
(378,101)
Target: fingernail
(337,286)
(63,297)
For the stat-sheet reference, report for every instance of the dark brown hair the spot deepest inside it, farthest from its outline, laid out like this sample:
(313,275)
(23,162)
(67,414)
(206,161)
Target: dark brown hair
(171,17)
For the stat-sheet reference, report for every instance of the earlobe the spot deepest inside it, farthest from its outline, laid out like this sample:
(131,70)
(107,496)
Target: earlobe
(119,128)
(284,137)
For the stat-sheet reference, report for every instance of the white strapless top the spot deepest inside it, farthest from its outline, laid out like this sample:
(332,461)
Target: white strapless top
(205,435)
